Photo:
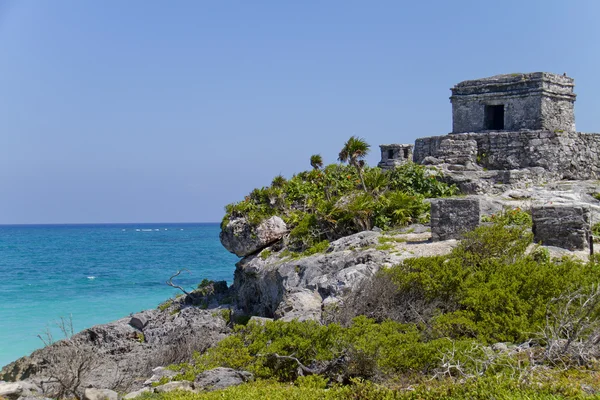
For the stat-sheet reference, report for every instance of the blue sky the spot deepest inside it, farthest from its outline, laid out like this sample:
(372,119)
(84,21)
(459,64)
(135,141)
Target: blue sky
(150,111)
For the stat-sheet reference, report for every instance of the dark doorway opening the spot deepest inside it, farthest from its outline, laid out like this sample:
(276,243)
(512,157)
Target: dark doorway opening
(390,154)
(494,118)
(406,154)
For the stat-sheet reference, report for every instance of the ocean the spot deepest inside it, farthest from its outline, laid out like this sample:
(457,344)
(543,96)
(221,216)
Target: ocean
(95,274)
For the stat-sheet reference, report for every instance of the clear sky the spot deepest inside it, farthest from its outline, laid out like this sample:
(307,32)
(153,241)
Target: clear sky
(150,111)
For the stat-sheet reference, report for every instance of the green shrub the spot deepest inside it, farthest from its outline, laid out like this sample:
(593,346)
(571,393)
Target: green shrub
(329,203)
(510,216)
(488,288)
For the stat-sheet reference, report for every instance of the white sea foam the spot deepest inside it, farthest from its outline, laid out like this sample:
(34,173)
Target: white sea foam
(91,277)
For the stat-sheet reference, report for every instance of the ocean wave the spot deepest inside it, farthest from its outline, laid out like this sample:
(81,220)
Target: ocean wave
(91,278)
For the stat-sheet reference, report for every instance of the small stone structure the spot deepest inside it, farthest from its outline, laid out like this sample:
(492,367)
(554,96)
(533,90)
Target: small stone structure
(393,155)
(512,102)
(452,217)
(565,226)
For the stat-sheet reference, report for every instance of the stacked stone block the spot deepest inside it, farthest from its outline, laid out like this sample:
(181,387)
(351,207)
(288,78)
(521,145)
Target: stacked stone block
(565,226)
(451,218)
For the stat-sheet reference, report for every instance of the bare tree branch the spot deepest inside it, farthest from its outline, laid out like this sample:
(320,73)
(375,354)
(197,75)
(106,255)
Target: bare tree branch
(170,281)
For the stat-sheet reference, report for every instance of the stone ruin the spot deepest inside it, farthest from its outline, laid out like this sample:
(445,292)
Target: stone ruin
(522,123)
(393,155)
(509,132)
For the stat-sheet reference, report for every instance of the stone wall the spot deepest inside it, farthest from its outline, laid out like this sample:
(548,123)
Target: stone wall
(565,155)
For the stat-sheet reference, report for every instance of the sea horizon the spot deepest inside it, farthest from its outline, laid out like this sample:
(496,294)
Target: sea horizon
(96,272)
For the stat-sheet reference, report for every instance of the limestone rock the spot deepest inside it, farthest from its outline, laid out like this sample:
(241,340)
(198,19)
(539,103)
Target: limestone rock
(221,378)
(452,217)
(139,320)
(158,373)
(137,393)
(301,305)
(100,394)
(118,352)
(243,238)
(14,390)
(172,386)
(566,226)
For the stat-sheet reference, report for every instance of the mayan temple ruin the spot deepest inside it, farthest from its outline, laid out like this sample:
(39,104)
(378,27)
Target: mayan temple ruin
(513,132)
(506,129)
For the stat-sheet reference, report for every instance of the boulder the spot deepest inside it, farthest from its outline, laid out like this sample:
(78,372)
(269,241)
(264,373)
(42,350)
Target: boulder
(243,238)
(301,304)
(139,320)
(14,390)
(29,397)
(221,378)
(453,217)
(137,393)
(100,394)
(158,373)
(173,386)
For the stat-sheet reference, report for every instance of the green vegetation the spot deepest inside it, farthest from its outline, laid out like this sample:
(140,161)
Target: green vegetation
(330,202)
(165,305)
(596,232)
(510,216)
(552,386)
(596,196)
(422,329)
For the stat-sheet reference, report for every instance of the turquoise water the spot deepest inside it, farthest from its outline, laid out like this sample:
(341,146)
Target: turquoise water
(96,273)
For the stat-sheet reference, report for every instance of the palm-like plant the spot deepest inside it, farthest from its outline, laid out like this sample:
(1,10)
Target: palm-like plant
(353,152)
(316,161)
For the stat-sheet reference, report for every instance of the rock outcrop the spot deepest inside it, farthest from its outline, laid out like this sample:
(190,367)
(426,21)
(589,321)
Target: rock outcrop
(16,390)
(288,288)
(221,378)
(242,238)
(120,356)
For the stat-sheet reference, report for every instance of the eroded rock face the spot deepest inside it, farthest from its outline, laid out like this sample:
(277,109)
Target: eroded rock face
(299,288)
(100,394)
(121,356)
(243,238)
(15,390)
(221,378)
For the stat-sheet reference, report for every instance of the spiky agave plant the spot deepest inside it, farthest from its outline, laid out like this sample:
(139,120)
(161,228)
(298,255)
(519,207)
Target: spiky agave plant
(353,152)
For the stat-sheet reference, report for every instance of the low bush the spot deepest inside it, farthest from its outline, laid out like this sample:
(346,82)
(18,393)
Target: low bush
(488,288)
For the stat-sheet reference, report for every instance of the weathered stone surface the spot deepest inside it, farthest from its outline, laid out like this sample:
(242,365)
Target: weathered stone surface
(393,155)
(221,378)
(138,393)
(100,394)
(117,351)
(29,397)
(557,155)
(302,305)
(139,320)
(538,100)
(566,226)
(14,390)
(243,238)
(290,288)
(452,217)
(173,386)
(158,373)
(259,320)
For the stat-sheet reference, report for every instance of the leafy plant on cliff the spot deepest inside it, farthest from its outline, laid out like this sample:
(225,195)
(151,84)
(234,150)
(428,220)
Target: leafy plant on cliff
(330,202)
(353,152)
